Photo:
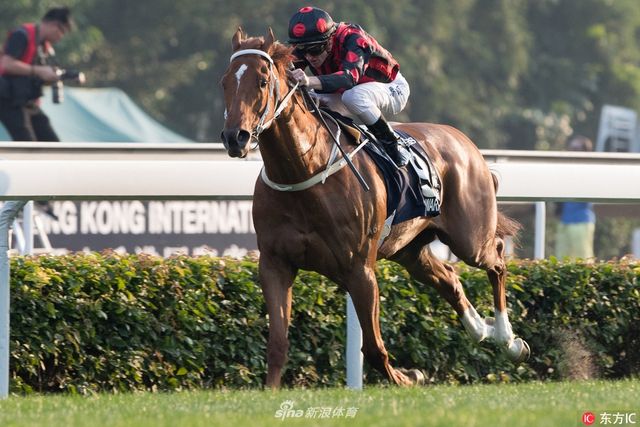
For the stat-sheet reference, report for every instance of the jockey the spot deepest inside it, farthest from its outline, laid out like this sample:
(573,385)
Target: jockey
(350,69)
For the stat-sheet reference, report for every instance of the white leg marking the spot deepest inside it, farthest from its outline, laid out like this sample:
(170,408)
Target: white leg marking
(503,331)
(500,331)
(239,74)
(475,325)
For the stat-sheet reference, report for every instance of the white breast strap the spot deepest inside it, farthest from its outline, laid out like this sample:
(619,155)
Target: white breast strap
(333,168)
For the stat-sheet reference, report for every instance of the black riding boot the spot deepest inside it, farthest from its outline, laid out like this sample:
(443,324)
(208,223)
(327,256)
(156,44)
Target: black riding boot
(384,134)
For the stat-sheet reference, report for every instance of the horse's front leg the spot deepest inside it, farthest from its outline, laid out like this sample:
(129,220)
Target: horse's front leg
(363,288)
(276,279)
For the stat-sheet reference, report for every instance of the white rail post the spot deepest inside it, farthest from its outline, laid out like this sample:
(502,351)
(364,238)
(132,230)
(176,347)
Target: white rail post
(354,348)
(540,229)
(27,228)
(18,236)
(7,215)
(635,245)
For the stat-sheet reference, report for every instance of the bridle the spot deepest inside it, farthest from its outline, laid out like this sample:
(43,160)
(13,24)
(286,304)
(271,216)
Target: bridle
(274,92)
(333,165)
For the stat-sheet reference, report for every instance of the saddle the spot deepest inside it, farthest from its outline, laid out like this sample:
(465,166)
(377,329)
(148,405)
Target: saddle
(412,191)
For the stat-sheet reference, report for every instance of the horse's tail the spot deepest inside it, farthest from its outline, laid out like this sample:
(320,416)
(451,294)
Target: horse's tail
(506,226)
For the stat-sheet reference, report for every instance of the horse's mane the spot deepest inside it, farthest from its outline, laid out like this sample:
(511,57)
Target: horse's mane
(281,54)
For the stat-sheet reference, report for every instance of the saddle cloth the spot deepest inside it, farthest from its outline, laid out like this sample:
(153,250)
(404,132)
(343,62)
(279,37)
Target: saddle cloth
(412,191)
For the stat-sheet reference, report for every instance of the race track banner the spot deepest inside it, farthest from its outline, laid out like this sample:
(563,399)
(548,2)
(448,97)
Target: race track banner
(220,227)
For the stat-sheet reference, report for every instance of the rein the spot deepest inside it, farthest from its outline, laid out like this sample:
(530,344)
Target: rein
(333,166)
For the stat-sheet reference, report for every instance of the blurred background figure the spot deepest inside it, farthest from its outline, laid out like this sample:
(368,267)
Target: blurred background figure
(574,236)
(25,66)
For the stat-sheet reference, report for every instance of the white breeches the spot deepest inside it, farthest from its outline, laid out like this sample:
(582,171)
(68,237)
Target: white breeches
(368,101)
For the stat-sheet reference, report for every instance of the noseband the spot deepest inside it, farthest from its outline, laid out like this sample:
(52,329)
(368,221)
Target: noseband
(274,92)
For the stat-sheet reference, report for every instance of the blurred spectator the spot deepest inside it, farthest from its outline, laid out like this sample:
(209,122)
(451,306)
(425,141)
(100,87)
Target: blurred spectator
(25,66)
(574,236)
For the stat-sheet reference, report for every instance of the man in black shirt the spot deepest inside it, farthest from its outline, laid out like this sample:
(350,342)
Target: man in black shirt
(24,69)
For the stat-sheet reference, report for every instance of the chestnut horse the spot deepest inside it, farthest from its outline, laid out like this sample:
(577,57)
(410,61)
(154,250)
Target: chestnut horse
(333,226)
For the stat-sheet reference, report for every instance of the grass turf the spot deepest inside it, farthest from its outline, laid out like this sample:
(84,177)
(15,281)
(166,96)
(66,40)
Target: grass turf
(532,404)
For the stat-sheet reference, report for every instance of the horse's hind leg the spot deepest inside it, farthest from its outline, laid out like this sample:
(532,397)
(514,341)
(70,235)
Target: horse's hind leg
(276,279)
(428,269)
(494,264)
(490,257)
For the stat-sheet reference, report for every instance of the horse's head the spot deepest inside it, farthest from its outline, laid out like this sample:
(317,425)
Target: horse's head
(251,87)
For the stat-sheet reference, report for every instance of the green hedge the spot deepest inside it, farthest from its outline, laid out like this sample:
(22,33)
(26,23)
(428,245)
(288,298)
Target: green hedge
(107,322)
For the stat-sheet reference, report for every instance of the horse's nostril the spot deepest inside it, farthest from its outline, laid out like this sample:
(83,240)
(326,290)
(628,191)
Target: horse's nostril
(230,136)
(243,137)
(236,137)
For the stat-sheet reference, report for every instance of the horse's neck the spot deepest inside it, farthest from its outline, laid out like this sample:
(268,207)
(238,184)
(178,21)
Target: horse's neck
(295,147)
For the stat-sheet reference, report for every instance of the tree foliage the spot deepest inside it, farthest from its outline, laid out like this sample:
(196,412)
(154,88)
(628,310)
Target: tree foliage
(511,73)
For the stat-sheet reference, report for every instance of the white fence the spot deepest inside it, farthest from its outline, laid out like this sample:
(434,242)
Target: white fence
(524,176)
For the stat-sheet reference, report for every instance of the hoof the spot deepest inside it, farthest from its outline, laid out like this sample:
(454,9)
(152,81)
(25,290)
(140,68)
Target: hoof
(415,375)
(519,351)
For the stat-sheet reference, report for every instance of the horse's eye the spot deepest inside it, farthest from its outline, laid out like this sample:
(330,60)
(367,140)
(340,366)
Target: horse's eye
(263,82)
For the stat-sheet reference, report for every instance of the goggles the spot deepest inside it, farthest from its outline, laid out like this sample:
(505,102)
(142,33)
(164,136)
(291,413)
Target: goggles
(311,49)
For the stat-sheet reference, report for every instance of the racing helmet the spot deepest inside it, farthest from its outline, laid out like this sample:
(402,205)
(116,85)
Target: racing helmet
(310,25)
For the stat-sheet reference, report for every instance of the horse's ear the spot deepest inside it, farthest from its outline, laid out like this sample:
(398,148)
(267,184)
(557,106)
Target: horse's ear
(269,39)
(238,37)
